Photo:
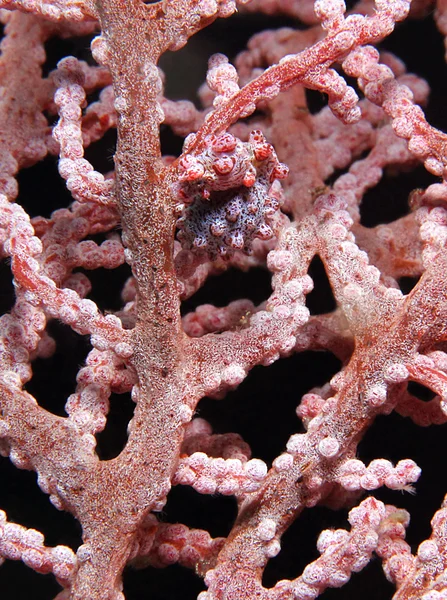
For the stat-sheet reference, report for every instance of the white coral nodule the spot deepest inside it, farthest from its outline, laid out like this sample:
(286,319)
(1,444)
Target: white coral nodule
(228,193)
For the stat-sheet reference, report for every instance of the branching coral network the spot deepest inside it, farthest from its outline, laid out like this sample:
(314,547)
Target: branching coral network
(262,182)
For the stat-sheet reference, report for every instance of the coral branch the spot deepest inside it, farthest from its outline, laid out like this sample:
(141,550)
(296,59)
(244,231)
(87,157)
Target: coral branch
(18,543)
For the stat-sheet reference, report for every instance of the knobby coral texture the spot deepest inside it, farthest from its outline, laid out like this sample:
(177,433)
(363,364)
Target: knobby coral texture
(224,318)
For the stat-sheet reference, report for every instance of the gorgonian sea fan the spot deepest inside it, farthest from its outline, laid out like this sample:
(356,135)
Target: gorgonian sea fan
(117,284)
